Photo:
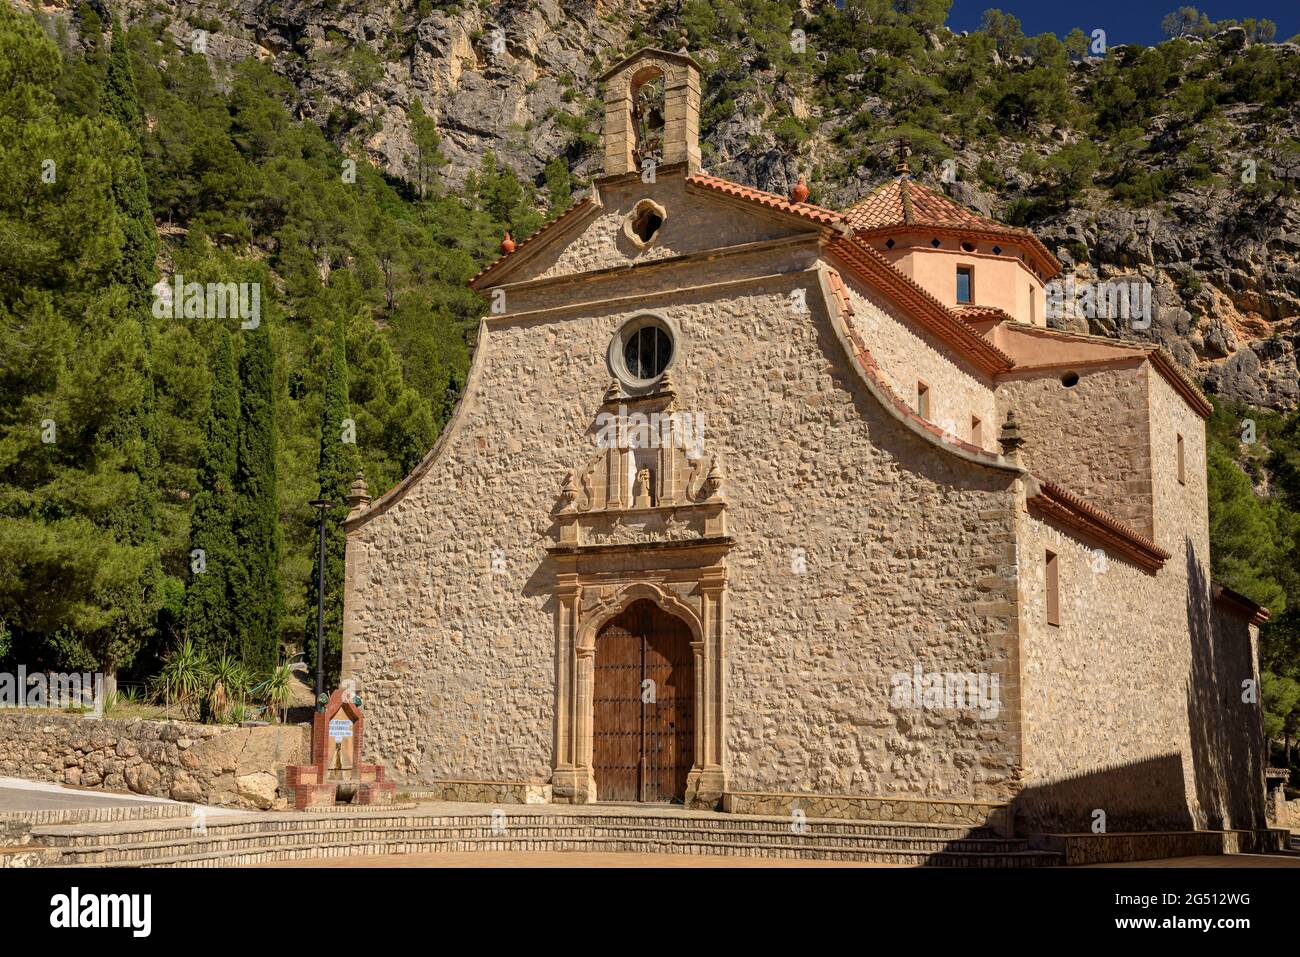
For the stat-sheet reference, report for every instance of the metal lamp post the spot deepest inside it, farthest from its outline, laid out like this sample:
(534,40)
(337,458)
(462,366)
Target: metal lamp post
(322,506)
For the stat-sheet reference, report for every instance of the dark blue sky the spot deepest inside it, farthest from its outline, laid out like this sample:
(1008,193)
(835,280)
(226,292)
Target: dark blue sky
(1125,21)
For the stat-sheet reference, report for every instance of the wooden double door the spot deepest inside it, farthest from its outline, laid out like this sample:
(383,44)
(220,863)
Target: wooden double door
(643,727)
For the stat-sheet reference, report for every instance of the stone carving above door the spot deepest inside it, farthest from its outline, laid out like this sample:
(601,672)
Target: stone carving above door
(652,478)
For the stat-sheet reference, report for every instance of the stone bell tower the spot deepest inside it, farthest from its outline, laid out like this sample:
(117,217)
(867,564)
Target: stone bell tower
(652,112)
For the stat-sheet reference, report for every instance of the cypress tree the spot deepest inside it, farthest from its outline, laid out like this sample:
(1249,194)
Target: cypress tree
(135,271)
(258,602)
(335,470)
(209,615)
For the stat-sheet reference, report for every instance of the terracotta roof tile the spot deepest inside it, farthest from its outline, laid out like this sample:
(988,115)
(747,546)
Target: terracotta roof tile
(980,313)
(871,266)
(1067,507)
(1252,611)
(567,216)
(903,202)
(871,369)
(816,214)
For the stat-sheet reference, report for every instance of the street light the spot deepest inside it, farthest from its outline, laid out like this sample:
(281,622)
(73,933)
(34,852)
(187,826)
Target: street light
(322,506)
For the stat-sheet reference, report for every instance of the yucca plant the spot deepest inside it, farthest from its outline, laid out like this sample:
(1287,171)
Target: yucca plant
(184,676)
(228,686)
(274,692)
(241,711)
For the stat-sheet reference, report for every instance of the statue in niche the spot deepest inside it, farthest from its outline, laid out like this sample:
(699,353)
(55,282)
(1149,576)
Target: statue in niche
(648,120)
(641,490)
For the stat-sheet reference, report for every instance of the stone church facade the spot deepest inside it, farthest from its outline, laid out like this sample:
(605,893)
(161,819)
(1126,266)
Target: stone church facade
(750,497)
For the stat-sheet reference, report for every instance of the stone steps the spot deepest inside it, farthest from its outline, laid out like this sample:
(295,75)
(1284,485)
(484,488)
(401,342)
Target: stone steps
(256,839)
(61,836)
(257,851)
(161,846)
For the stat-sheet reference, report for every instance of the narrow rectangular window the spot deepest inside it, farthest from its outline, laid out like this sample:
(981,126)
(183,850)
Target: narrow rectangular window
(923,400)
(1033,307)
(976,431)
(1182,471)
(965,284)
(1053,591)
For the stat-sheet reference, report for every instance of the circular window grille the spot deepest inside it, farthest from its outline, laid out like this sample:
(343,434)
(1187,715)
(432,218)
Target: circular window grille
(643,350)
(646,352)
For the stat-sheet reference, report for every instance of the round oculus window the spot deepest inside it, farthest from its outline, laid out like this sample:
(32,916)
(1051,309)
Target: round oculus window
(642,350)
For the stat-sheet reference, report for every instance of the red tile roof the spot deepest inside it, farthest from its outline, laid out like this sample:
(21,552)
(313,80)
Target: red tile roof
(1239,604)
(903,203)
(875,269)
(1050,499)
(981,313)
(871,369)
(816,214)
(1069,509)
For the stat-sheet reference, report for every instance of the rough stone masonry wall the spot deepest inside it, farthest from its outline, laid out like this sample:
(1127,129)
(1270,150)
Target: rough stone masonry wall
(1104,694)
(204,764)
(906,354)
(1092,438)
(909,554)
(692,224)
(1133,704)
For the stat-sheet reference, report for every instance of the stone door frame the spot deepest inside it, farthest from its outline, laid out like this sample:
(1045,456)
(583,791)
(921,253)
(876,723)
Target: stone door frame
(587,598)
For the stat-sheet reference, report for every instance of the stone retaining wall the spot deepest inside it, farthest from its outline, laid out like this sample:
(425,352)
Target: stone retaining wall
(1079,849)
(851,806)
(205,764)
(486,792)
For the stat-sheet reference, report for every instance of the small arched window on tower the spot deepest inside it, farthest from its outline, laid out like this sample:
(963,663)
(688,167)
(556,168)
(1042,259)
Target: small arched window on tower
(648,117)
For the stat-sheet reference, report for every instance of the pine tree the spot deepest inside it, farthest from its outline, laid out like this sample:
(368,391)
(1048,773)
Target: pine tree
(258,601)
(559,186)
(335,471)
(79,582)
(209,613)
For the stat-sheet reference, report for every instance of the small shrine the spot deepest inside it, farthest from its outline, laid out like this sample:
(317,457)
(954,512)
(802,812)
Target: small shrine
(337,773)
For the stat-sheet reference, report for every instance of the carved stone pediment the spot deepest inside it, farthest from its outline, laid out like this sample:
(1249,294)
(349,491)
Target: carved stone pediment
(651,479)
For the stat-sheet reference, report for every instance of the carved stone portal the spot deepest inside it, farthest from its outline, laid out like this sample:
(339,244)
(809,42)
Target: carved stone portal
(644,518)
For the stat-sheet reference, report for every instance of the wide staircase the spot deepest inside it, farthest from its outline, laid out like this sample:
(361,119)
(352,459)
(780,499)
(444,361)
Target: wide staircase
(224,840)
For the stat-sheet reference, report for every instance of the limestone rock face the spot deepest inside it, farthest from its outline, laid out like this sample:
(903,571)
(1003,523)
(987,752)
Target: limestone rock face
(258,789)
(516,77)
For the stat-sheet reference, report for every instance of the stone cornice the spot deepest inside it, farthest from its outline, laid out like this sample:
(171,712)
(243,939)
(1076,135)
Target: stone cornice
(1072,511)
(713,543)
(682,259)
(1239,604)
(641,300)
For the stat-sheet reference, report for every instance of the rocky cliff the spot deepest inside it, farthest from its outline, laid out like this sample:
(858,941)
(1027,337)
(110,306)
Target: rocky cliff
(520,77)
